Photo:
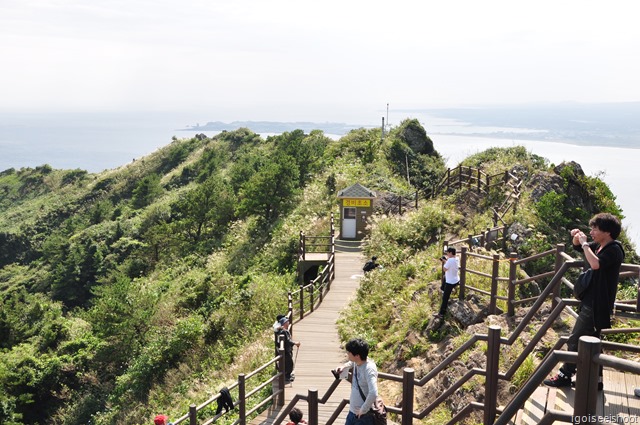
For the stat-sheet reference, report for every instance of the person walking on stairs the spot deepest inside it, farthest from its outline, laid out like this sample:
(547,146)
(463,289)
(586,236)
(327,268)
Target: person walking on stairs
(364,382)
(604,255)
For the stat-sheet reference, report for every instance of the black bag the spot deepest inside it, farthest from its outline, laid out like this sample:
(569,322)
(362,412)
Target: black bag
(224,401)
(369,265)
(378,410)
(582,284)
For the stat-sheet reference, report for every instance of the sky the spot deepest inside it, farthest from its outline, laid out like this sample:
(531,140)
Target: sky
(286,60)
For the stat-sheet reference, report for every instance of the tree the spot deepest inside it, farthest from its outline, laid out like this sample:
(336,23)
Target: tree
(305,150)
(269,192)
(203,211)
(147,191)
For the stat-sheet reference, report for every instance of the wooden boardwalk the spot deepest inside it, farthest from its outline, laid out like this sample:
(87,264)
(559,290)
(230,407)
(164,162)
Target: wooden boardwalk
(615,404)
(320,349)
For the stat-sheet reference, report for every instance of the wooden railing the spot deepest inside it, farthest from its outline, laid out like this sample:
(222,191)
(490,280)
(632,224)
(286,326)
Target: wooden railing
(317,244)
(512,282)
(245,395)
(475,178)
(298,301)
(492,373)
(493,235)
(493,339)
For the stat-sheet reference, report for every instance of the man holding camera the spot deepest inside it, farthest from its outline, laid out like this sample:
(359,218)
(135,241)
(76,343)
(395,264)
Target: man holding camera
(451,279)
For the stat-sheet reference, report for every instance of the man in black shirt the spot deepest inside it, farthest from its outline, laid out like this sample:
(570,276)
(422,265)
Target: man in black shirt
(604,255)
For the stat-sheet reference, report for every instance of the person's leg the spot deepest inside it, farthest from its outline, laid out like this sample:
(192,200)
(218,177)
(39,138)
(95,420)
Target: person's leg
(288,366)
(445,298)
(584,326)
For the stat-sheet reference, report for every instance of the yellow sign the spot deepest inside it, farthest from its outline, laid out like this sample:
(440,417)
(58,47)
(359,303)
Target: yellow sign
(356,202)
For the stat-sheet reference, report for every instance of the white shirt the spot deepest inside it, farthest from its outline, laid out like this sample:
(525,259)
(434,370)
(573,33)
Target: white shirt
(451,271)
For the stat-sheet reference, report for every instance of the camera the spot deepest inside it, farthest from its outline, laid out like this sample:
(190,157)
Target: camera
(443,258)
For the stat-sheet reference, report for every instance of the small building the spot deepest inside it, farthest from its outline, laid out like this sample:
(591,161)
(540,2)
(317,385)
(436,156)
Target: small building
(356,206)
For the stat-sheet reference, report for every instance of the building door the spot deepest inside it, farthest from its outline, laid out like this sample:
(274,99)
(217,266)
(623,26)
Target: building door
(349,223)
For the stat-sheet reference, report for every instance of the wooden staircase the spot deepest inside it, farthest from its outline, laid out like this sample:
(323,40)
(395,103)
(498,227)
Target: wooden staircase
(616,402)
(344,245)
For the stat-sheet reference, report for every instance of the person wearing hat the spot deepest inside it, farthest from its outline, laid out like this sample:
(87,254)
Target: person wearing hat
(161,420)
(288,347)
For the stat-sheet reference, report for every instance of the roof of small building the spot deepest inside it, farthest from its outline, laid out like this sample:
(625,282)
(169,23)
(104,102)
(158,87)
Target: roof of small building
(356,191)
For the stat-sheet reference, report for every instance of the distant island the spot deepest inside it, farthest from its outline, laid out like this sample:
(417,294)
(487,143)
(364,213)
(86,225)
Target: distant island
(276,127)
(601,124)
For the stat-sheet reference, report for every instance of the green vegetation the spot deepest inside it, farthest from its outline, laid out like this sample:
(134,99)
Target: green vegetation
(148,287)
(127,292)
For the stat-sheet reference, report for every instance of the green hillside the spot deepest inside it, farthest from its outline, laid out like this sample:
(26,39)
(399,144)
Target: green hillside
(144,288)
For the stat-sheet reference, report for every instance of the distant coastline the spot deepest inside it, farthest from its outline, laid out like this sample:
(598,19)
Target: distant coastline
(603,124)
(275,127)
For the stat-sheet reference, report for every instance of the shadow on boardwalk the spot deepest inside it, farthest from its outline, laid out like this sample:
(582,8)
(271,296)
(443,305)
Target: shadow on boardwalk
(320,349)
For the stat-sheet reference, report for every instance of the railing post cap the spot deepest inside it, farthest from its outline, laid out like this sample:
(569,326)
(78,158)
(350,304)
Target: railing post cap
(588,339)
(408,370)
(495,328)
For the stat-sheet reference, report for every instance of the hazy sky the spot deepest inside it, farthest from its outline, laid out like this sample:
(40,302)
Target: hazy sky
(312,60)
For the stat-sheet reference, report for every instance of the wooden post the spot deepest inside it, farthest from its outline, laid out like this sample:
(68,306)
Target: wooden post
(242,394)
(312,400)
(491,382)
(290,311)
(460,176)
(494,284)
(463,272)
(513,273)
(638,300)
(416,201)
(586,377)
(400,204)
(282,370)
(555,293)
(311,289)
(408,386)
(301,301)
(193,415)
(478,182)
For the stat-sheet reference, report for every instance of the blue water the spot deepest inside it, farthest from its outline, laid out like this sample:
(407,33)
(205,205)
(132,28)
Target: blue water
(93,142)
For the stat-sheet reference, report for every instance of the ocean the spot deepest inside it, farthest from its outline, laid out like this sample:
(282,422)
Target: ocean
(97,142)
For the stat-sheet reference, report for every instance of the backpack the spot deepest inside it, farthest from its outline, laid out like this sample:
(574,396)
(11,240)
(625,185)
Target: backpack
(224,401)
(369,265)
(582,284)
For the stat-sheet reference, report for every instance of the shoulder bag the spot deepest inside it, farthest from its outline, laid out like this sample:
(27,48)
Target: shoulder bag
(378,410)
(582,284)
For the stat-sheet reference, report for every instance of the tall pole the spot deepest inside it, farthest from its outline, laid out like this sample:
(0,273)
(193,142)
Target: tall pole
(387,114)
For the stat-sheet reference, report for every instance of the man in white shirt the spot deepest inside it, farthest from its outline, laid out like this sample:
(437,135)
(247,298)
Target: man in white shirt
(450,267)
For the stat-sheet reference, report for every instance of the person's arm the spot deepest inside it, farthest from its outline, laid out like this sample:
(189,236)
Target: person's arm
(345,366)
(580,244)
(372,385)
